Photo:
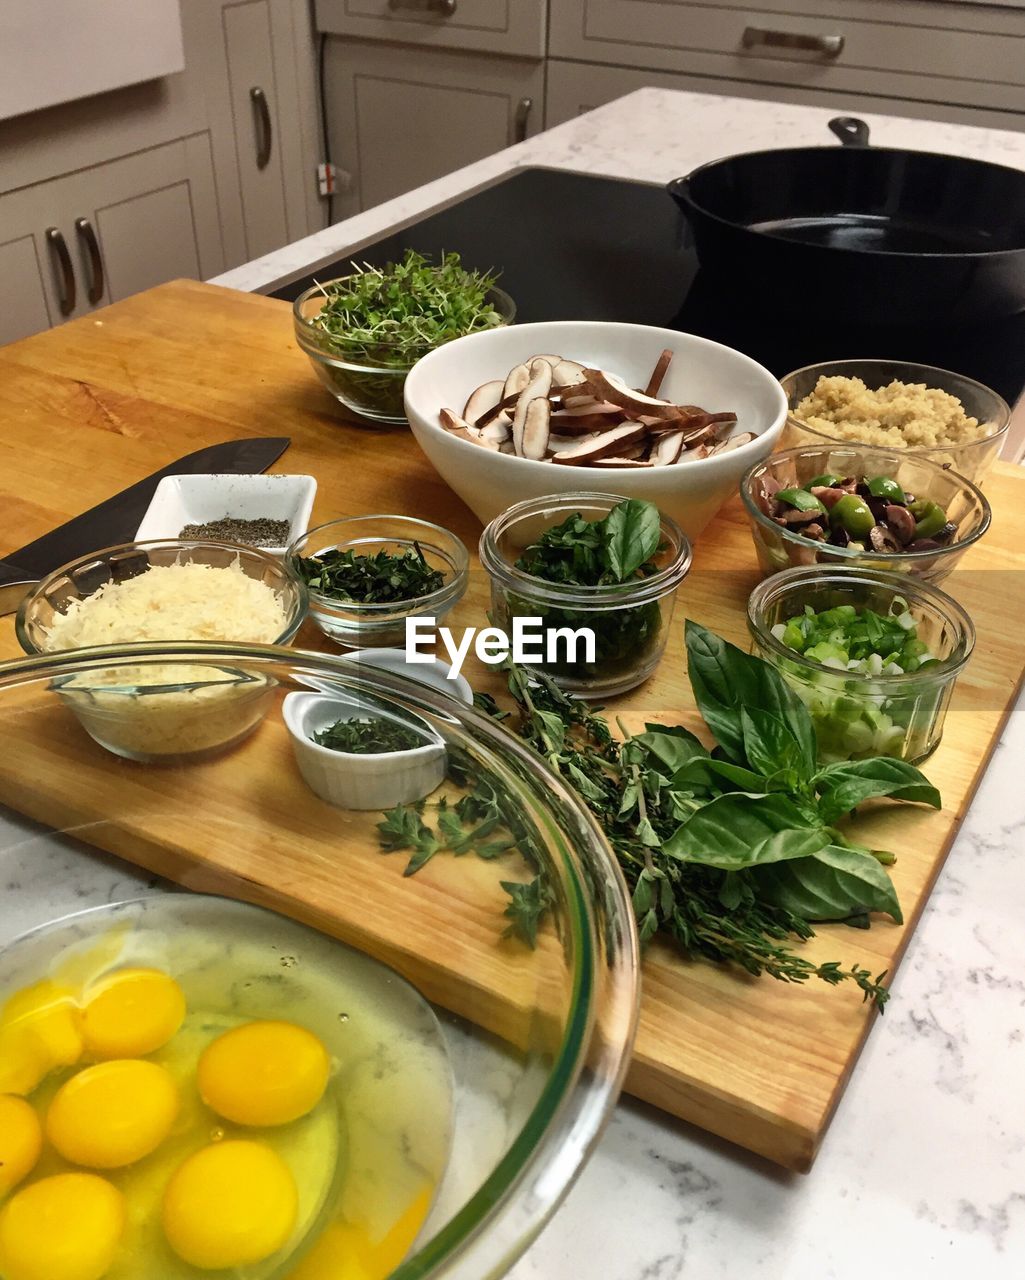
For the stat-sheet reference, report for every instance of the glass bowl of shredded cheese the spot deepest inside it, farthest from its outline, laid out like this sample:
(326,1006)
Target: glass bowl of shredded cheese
(150,593)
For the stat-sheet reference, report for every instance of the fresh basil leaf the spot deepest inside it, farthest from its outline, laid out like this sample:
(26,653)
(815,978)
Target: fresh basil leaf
(845,785)
(770,745)
(632,532)
(737,830)
(832,884)
(672,747)
(707,773)
(724,679)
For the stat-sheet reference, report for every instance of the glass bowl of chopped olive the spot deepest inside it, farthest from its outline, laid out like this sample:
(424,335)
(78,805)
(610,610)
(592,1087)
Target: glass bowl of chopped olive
(858,506)
(591,563)
(367,574)
(874,656)
(363,332)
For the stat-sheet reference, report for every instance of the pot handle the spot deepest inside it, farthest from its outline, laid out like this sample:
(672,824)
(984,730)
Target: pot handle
(851,131)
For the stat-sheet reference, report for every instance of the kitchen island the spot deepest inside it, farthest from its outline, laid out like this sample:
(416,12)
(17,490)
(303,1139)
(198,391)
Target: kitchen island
(923,1171)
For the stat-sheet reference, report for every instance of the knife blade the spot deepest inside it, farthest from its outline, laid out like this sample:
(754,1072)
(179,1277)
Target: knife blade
(116,519)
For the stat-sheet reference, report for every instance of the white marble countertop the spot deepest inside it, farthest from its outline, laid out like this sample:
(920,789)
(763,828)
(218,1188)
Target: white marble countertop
(923,1170)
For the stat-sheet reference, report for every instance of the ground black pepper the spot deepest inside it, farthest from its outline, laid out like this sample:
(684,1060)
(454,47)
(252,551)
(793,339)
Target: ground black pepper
(261,532)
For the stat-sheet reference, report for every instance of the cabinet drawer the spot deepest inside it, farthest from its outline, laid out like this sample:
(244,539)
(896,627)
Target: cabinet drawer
(927,51)
(492,26)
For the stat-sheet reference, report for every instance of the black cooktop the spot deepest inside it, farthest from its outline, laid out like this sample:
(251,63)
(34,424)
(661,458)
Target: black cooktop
(575,247)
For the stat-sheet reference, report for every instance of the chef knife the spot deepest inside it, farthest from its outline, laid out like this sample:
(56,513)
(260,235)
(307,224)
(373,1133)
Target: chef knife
(117,519)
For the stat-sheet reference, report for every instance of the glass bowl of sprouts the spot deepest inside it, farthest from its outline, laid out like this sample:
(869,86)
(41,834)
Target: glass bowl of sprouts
(364,331)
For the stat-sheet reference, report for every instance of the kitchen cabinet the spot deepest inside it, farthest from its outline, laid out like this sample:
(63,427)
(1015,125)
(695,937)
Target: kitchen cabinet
(78,242)
(930,51)
(511,27)
(575,87)
(399,117)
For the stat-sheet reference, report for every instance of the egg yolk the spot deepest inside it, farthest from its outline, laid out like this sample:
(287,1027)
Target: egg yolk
(39,1030)
(348,1251)
(132,1013)
(62,1228)
(263,1073)
(229,1204)
(112,1114)
(21,1140)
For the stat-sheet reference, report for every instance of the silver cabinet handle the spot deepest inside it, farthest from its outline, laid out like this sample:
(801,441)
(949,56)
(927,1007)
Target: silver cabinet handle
(828,46)
(87,235)
(265,132)
(520,118)
(443,8)
(66,297)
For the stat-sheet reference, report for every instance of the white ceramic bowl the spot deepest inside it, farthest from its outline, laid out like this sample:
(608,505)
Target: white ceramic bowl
(183,500)
(702,372)
(353,781)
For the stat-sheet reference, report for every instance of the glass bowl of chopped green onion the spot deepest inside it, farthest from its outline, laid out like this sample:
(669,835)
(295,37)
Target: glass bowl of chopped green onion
(904,514)
(363,332)
(873,655)
(367,574)
(588,562)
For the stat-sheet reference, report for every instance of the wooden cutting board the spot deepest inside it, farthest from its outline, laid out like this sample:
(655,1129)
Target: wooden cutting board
(90,407)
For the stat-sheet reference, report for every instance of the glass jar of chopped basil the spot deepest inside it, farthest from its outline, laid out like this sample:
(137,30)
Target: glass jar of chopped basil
(588,562)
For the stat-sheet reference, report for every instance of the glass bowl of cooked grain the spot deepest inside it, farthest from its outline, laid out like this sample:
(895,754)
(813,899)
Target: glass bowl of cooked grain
(154,593)
(932,413)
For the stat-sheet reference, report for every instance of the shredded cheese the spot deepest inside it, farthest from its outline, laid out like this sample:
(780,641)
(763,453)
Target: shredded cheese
(172,602)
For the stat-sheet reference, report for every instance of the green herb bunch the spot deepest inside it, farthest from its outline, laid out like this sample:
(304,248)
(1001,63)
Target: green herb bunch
(390,316)
(381,578)
(368,737)
(735,852)
(618,549)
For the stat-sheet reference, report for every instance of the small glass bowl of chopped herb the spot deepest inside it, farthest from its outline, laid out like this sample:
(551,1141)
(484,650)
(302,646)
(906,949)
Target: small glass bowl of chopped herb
(358,754)
(367,574)
(363,332)
(873,655)
(588,561)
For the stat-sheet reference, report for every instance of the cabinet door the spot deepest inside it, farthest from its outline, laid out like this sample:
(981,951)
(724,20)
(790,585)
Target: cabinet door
(125,225)
(400,117)
(154,216)
(256,124)
(24,297)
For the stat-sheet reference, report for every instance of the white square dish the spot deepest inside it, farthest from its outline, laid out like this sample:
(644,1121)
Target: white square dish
(183,500)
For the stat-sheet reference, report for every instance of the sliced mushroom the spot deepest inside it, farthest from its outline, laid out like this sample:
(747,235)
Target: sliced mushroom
(499,429)
(658,373)
(536,389)
(554,361)
(454,424)
(516,379)
(483,400)
(582,406)
(578,424)
(668,449)
(734,442)
(568,373)
(559,443)
(536,429)
(610,388)
(602,446)
(621,462)
(693,455)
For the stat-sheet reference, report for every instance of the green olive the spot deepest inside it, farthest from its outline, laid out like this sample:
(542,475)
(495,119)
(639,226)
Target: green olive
(853,514)
(801,500)
(826,481)
(931,521)
(884,487)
